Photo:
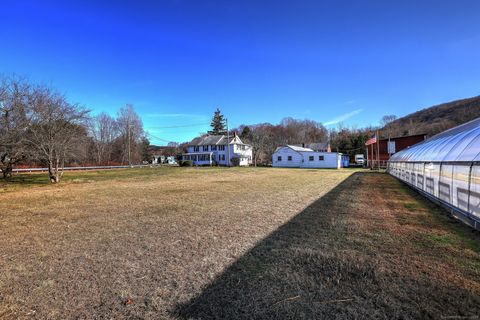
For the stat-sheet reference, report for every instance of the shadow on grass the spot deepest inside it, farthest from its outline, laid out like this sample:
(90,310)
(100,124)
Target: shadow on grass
(20,180)
(307,269)
(28,179)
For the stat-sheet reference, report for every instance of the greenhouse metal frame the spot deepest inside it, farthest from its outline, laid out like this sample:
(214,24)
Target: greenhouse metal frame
(446,169)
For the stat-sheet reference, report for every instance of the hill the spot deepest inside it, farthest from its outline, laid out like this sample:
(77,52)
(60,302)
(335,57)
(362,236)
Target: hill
(436,119)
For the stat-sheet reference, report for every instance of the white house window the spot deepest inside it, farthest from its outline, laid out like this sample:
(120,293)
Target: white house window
(279,158)
(310,158)
(223,157)
(321,158)
(205,148)
(196,149)
(289,158)
(214,148)
(221,148)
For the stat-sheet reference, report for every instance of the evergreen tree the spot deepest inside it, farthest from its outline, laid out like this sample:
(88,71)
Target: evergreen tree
(246,134)
(145,150)
(218,123)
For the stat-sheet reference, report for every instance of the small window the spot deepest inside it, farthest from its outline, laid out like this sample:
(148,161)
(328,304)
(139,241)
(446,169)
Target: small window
(310,158)
(321,158)
(289,158)
(279,158)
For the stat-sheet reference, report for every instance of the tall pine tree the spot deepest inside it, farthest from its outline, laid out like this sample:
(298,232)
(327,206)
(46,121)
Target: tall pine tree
(218,123)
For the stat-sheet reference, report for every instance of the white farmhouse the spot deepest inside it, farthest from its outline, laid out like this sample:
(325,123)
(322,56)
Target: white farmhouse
(300,157)
(211,149)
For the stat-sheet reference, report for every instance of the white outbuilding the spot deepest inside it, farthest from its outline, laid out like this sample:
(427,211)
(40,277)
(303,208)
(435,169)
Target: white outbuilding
(290,156)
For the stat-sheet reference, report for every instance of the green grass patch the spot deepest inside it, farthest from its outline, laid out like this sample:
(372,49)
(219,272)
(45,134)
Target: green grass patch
(412,206)
(442,239)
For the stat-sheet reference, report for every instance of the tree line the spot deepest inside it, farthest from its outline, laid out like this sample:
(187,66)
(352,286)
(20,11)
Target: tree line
(38,125)
(436,119)
(266,137)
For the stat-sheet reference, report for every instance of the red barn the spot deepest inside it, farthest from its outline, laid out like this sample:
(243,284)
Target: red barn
(386,149)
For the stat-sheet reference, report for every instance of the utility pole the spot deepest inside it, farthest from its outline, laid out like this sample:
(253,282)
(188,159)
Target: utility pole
(378,150)
(228,143)
(129,151)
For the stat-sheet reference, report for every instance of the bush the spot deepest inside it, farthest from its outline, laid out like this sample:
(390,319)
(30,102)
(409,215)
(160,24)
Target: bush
(235,161)
(186,163)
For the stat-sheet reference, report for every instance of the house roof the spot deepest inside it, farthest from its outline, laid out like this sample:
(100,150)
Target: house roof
(295,148)
(214,140)
(314,146)
(301,149)
(318,146)
(205,140)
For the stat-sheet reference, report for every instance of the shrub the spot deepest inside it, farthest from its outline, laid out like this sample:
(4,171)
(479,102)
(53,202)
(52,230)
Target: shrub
(235,161)
(186,163)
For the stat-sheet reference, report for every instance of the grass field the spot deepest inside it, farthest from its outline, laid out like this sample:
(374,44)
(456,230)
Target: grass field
(239,243)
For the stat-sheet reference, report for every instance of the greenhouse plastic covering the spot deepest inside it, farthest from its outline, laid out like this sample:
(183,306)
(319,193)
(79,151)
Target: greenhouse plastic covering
(446,169)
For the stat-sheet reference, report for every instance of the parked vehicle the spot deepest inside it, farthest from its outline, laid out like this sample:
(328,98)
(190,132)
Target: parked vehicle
(359,159)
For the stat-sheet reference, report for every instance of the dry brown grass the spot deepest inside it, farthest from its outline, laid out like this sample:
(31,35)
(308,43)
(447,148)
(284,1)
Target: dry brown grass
(232,243)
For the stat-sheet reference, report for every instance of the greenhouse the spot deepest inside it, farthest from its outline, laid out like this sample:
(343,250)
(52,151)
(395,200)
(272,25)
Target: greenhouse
(446,168)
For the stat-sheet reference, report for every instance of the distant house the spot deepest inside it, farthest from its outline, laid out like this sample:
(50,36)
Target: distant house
(292,156)
(215,149)
(158,159)
(170,160)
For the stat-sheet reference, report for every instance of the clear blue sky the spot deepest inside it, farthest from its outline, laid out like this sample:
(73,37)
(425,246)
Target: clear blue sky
(260,61)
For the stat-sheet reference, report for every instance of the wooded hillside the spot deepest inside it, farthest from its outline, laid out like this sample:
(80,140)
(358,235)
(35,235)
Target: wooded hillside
(437,118)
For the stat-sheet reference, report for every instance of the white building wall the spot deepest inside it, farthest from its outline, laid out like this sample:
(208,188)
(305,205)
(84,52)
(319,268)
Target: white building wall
(219,155)
(281,158)
(288,158)
(330,160)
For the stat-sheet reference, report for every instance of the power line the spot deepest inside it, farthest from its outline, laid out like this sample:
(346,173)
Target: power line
(350,149)
(151,135)
(181,126)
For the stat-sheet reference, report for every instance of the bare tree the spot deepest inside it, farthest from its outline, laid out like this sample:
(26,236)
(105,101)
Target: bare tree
(131,132)
(14,114)
(294,131)
(265,137)
(56,129)
(386,120)
(104,130)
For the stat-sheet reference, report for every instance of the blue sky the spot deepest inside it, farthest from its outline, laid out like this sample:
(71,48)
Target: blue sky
(347,62)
